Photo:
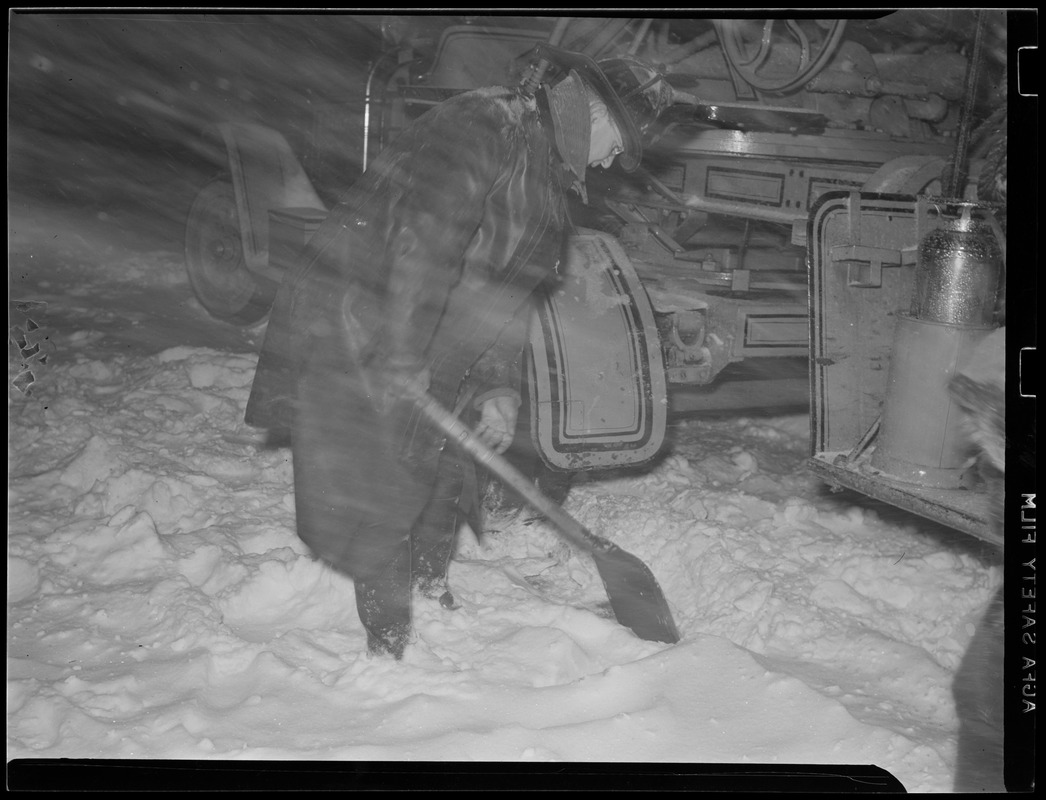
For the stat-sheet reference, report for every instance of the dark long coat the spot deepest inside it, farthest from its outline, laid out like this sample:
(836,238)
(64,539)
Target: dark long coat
(428,261)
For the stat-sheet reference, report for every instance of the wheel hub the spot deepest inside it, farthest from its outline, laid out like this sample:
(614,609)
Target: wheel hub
(225,252)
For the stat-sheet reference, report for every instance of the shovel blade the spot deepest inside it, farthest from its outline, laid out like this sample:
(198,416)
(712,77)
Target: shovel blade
(635,596)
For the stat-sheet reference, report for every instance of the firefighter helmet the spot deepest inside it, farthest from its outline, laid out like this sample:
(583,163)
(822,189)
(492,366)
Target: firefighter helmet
(641,93)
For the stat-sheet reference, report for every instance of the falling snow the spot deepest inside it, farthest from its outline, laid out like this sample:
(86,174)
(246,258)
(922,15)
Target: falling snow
(160,604)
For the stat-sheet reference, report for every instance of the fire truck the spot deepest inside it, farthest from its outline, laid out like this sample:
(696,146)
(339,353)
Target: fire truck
(819,219)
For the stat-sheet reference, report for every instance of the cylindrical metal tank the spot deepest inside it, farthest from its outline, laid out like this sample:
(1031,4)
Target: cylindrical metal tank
(958,273)
(920,439)
(956,286)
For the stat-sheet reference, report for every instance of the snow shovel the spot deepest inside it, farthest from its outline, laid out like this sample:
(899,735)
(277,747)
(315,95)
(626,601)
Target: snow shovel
(635,597)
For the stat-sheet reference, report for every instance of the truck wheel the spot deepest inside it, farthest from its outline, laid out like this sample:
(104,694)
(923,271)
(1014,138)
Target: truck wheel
(215,262)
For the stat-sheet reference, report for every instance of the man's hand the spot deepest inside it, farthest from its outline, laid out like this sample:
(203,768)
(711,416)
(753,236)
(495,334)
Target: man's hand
(497,423)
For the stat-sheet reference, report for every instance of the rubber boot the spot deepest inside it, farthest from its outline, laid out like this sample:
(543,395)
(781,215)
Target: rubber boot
(383,603)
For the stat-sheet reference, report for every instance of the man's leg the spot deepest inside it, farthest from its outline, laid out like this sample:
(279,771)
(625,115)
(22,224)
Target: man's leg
(356,502)
(383,599)
(434,534)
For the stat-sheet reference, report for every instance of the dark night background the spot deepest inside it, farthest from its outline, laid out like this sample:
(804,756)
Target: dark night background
(111,110)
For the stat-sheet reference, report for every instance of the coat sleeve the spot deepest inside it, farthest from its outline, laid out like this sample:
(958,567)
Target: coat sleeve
(441,175)
(499,371)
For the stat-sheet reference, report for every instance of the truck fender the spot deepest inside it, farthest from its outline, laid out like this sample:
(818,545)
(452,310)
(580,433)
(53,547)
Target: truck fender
(598,392)
(266,175)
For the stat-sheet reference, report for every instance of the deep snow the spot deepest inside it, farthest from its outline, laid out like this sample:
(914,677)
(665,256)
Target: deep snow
(160,604)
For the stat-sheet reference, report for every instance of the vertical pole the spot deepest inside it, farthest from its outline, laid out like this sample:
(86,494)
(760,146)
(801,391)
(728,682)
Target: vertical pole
(957,176)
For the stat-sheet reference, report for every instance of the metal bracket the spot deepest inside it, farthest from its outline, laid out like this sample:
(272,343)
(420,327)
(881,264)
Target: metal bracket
(864,264)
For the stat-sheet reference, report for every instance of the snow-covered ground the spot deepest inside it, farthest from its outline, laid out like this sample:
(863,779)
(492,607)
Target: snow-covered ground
(160,604)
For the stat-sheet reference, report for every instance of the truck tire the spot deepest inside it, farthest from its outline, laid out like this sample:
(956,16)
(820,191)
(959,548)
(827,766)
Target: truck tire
(214,259)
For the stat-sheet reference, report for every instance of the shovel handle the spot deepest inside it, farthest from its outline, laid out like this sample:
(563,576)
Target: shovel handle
(636,599)
(500,466)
